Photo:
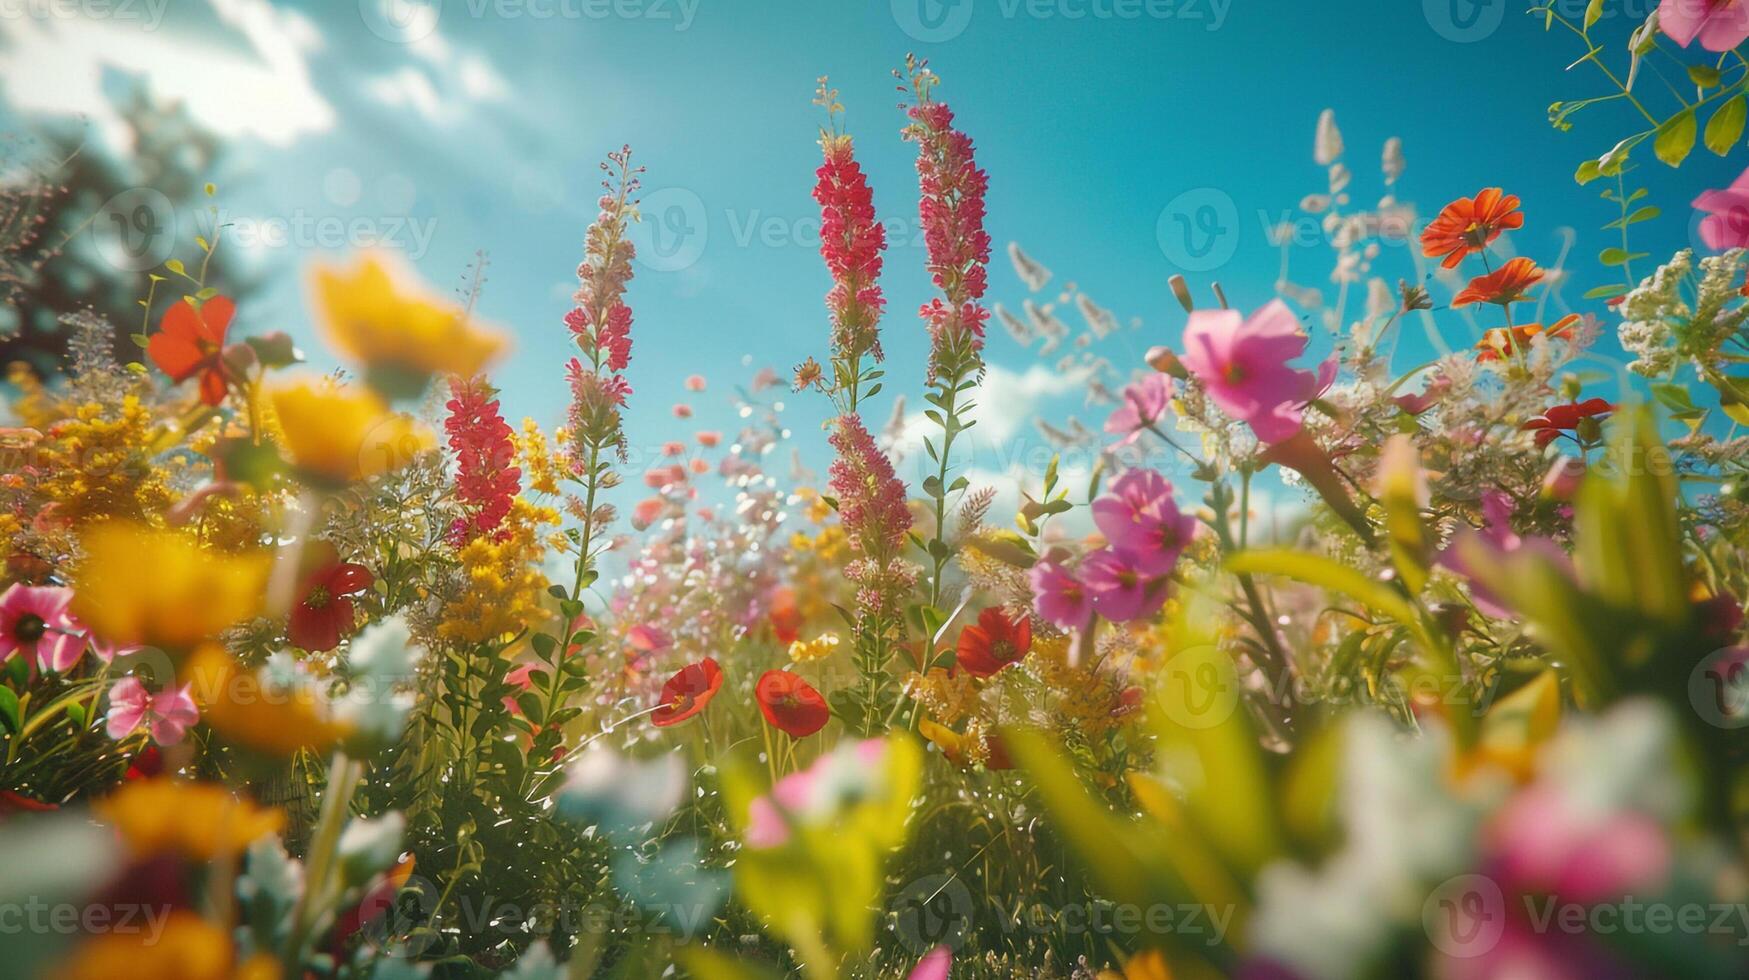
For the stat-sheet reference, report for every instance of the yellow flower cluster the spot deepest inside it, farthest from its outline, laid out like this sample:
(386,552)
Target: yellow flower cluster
(32,405)
(830,545)
(1085,698)
(197,820)
(502,581)
(98,464)
(542,467)
(947,697)
(376,313)
(160,588)
(818,648)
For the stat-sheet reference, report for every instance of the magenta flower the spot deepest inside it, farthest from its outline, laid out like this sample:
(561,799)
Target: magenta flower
(1058,596)
(1494,541)
(1118,589)
(1720,24)
(34,622)
(851,241)
(1726,224)
(1143,405)
(934,965)
(1140,518)
(166,714)
(1243,365)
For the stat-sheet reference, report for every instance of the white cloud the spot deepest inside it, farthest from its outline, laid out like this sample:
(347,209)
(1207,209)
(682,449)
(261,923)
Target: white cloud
(408,88)
(1006,403)
(57,66)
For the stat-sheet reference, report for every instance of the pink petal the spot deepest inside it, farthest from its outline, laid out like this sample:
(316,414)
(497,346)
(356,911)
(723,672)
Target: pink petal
(128,702)
(934,965)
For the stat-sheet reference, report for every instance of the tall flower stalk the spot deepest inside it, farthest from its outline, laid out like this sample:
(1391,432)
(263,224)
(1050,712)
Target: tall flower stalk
(601,323)
(851,242)
(871,505)
(950,208)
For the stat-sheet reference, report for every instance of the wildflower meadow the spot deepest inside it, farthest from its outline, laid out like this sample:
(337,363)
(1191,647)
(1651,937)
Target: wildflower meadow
(1374,609)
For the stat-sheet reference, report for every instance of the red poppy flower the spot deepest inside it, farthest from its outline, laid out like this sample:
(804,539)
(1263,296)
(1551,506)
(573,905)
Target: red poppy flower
(1549,425)
(1504,285)
(191,341)
(687,692)
(148,763)
(790,704)
(1466,226)
(1502,341)
(786,617)
(995,642)
(324,612)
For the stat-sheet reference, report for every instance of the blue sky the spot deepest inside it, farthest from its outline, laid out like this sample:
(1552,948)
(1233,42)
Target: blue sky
(481,129)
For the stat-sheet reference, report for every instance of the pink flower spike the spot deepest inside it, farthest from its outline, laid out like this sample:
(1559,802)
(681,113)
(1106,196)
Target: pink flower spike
(1726,224)
(1144,403)
(1243,364)
(1140,518)
(34,622)
(1118,589)
(1058,597)
(1720,24)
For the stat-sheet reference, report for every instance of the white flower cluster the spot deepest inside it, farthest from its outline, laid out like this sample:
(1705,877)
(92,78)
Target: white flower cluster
(1647,313)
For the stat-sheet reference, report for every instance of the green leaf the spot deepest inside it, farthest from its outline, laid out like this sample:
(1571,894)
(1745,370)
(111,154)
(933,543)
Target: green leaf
(1587,172)
(1605,292)
(1725,128)
(1675,138)
(1705,76)
(175,265)
(1323,572)
(708,964)
(1593,13)
(9,708)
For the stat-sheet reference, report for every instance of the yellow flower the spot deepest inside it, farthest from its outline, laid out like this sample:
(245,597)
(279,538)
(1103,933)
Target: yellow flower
(818,648)
(338,435)
(140,585)
(202,821)
(543,468)
(253,710)
(97,464)
(502,582)
(188,948)
(382,317)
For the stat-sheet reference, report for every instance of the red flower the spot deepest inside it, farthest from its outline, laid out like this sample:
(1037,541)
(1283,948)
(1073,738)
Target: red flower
(994,643)
(324,613)
(1500,341)
(191,341)
(485,480)
(790,704)
(17,802)
(1466,226)
(786,617)
(1549,425)
(148,763)
(1504,285)
(687,692)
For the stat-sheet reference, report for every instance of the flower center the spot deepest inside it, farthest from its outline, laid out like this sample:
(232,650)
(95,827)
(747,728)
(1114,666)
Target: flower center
(29,628)
(1234,372)
(317,598)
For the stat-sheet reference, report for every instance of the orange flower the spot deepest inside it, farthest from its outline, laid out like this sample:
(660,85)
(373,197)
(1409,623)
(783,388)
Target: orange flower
(1501,341)
(201,821)
(1504,285)
(191,340)
(259,709)
(1466,226)
(190,948)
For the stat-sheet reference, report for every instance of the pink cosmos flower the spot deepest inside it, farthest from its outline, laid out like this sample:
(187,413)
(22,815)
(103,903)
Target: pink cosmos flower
(1058,596)
(1143,405)
(1726,224)
(107,652)
(1118,589)
(1140,518)
(1242,362)
(1720,24)
(34,622)
(166,714)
